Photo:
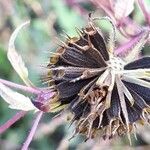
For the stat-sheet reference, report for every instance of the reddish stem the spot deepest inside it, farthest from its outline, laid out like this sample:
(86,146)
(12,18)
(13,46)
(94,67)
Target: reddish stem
(21,87)
(125,47)
(11,121)
(145,12)
(32,132)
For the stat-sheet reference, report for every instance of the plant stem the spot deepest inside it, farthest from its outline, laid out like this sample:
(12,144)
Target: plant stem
(21,87)
(32,132)
(11,121)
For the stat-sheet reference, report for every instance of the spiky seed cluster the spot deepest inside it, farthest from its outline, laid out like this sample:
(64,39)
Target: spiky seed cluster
(103,92)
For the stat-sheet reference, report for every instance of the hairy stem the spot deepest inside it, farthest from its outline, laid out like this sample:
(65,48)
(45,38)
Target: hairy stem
(32,90)
(32,132)
(11,121)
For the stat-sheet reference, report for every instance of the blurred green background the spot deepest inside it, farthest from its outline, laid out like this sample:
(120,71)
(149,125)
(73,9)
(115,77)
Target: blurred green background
(49,19)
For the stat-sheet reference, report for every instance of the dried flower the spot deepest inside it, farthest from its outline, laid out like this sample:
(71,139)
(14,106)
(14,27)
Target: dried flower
(107,94)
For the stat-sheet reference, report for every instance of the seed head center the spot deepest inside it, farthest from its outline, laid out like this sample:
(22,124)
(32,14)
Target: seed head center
(116,64)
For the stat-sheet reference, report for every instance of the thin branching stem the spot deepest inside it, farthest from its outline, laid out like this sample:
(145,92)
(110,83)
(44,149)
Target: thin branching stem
(11,121)
(32,132)
(21,87)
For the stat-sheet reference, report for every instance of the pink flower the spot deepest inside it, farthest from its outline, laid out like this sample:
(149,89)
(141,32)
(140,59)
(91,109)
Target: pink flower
(119,11)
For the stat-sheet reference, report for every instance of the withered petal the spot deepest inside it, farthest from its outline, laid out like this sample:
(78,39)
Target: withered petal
(138,100)
(89,86)
(68,100)
(114,110)
(105,119)
(76,58)
(132,113)
(79,109)
(138,64)
(73,102)
(96,123)
(82,41)
(96,56)
(98,42)
(67,89)
(144,92)
(67,73)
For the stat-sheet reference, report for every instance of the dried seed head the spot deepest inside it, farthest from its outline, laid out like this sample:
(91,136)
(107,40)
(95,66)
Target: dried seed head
(106,94)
